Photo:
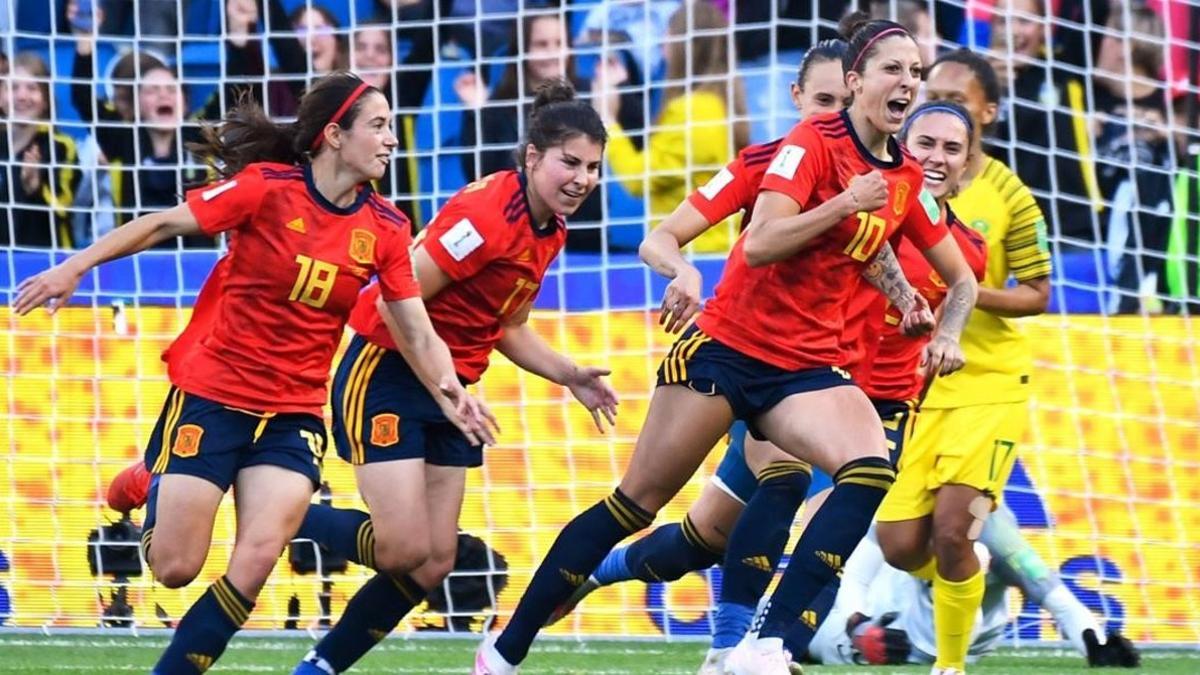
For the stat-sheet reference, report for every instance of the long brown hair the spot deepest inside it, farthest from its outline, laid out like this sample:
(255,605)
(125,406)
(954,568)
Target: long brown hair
(33,64)
(508,88)
(247,135)
(710,59)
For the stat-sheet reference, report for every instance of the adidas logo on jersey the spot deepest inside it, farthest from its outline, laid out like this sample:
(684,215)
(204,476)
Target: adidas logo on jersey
(758,562)
(832,559)
(296,225)
(809,618)
(525,256)
(202,661)
(376,634)
(572,578)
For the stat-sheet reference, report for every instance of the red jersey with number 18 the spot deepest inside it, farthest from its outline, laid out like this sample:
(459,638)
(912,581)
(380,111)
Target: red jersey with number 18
(273,314)
(791,313)
(484,239)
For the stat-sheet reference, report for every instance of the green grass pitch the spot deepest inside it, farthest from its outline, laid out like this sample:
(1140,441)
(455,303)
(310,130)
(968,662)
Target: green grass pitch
(104,655)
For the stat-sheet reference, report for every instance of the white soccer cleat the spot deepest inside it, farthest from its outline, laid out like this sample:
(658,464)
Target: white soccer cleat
(947,671)
(714,662)
(762,656)
(488,661)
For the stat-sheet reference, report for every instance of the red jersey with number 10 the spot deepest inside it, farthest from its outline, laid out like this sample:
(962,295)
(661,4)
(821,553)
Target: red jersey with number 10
(272,314)
(485,240)
(791,313)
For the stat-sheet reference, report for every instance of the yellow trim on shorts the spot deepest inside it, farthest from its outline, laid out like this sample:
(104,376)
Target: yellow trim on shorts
(352,398)
(174,409)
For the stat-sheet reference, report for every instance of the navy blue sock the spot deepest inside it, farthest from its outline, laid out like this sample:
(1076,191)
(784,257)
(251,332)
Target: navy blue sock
(670,552)
(858,488)
(756,545)
(202,633)
(347,532)
(374,611)
(579,548)
(800,635)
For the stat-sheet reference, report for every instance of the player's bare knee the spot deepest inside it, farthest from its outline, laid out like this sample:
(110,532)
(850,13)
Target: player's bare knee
(439,566)
(401,557)
(175,571)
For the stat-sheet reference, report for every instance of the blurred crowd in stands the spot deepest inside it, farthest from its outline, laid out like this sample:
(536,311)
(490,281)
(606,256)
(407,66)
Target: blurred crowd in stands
(100,98)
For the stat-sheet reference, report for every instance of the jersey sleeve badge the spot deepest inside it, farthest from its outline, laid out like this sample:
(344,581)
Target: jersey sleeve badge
(786,161)
(461,239)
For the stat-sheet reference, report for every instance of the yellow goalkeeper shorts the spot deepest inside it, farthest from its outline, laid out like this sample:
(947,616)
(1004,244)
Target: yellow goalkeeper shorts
(973,445)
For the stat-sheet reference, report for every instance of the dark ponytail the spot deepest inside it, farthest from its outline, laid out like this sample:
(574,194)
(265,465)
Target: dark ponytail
(825,50)
(862,33)
(247,135)
(558,116)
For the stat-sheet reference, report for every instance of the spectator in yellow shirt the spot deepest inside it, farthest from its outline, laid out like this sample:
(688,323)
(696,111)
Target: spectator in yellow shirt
(701,127)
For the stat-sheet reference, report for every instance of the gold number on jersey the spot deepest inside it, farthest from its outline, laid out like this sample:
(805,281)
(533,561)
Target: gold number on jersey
(868,238)
(316,444)
(524,288)
(314,283)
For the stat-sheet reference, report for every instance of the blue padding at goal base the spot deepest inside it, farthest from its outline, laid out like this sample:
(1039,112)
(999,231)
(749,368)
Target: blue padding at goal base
(577,282)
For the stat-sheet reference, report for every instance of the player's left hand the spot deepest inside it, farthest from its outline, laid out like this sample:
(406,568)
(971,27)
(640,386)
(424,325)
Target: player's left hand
(588,386)
(681,300)
(52,288)
(469,414)
(942,356)
(918,320)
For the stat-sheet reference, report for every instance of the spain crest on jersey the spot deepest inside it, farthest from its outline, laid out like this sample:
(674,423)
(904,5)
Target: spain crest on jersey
(187,440)
(362,246)
(902,189)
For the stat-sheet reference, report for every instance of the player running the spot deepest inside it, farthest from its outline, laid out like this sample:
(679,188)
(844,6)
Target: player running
(767,348)
(964,446)
(248,383)
(698,542)
(480,264)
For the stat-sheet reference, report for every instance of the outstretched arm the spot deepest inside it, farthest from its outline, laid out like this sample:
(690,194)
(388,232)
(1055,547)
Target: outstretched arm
(524,347)
(56,285)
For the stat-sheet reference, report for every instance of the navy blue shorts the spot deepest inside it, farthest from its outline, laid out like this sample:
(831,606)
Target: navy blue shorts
(382,412)
(897,425)
(752,387)
(199,437)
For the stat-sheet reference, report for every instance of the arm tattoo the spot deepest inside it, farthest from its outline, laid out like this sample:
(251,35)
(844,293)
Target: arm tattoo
(956,308)
(885,274)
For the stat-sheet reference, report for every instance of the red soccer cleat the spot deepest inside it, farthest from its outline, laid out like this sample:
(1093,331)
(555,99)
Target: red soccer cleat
(130,488)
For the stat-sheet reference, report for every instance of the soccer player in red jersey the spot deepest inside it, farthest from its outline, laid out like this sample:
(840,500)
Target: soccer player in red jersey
(244,409)
(698,542)
(767,348)
(480,264)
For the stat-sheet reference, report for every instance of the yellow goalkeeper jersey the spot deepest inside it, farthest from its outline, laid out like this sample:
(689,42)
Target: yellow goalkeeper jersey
(999,359)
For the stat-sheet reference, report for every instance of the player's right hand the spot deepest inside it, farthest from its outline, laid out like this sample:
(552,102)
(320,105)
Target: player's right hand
(469,414)
(869,191)
(919,320)
(942,356)
(681,300)
(51,288)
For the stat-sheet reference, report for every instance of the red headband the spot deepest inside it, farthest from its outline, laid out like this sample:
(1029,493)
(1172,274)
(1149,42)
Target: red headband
(878,36)
(337,116)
